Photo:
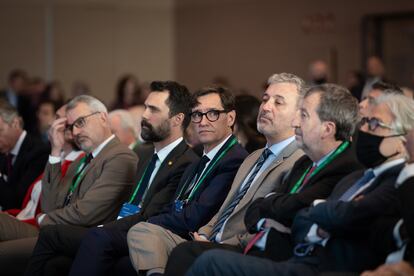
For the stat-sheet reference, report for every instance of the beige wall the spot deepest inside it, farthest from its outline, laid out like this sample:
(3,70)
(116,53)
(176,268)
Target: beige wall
(94,41)
(191,40)
(246,41)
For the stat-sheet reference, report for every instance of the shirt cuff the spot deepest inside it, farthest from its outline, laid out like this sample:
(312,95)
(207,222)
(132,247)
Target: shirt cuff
(260,224)
(41,218)
(54,159)
(312,235)
(406,172)
(396,232)
(317,201)
(270,194)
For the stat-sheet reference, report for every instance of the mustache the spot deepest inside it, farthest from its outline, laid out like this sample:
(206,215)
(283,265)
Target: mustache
(144,123)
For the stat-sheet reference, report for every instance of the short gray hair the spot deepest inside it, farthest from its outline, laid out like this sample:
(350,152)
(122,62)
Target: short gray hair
(127,122)
(94,104)
(289,78)
(337,105)
(9,112)
(402,107)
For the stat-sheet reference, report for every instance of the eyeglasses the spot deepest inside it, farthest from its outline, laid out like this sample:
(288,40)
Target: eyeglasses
(374,123)
(80,122)
(211,115)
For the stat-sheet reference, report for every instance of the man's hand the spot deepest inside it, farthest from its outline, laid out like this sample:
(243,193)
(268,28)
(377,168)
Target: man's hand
(57,136)
(322,233)
(398,269)
(198,237)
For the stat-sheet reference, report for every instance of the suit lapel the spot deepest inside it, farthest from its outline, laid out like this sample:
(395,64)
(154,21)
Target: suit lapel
(167,164)
(287,151)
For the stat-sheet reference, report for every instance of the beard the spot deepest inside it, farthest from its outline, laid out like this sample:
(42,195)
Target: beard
(155,134)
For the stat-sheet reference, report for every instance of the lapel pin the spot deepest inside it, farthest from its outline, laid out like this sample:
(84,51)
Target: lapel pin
(170,163)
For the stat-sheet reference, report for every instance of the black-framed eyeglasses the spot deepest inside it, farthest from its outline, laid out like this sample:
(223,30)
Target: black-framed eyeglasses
(80,122)
(211,115)
(374,123)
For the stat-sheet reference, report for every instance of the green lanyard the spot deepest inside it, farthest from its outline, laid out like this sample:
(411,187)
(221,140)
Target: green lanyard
(328,160)
(139,185)
(207,171)
(79,171)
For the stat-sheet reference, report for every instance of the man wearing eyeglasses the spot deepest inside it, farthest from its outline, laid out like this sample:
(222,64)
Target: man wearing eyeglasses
(98,181)
(334,234)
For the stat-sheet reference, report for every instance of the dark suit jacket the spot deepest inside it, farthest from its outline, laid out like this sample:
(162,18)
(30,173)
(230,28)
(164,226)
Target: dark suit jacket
(406,195)
(29,164)
(348,223)
(208,198)
(283,206)
(164,184)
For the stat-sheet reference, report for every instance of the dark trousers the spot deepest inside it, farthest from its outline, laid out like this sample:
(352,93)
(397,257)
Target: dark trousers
(103,251)
(55,248)
(222,262)
(279,248)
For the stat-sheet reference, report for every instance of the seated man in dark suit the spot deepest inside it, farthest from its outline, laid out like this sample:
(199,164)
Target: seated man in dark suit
(323,132)
(22,159)
(201,191)
(333,235)
(395,236)
(164,120)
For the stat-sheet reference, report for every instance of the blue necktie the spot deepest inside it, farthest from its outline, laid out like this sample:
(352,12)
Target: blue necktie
(303,249)
(368,176)
(238,196)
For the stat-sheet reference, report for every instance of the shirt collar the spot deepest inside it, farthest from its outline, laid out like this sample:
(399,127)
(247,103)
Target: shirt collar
(18,145)
(385,166)
(277,148)
(214,151)
(72,155)
(101,146)
(163,153)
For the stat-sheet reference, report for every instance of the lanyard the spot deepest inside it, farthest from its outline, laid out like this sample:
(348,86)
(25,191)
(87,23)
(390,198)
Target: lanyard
(328,160)
(207,171)
(79,171)
(139,185)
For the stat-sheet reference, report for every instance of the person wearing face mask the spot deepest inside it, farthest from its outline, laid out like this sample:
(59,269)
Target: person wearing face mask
(333,235)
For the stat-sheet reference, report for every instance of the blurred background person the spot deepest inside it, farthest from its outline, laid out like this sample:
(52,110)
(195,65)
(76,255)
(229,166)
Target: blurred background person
(127,93)
(318,72)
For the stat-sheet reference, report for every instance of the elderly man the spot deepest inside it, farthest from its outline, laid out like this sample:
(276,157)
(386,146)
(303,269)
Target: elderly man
(202,189)
(333,235)
(98,181)
(323,127)
(124,127)
(22,159)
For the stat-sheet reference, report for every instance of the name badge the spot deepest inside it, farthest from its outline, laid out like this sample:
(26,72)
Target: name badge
(179,205)
(128,209)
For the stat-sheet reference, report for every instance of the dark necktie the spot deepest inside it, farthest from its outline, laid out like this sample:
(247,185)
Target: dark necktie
(238,196)
(88,159)
(196,175)
(9,160)
(145,180)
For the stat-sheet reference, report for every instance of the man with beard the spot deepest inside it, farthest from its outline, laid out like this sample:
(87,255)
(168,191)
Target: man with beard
(160,168)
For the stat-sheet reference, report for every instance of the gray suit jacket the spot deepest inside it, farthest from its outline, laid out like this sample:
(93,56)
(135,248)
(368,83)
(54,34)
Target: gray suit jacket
(235,231)
(104,186)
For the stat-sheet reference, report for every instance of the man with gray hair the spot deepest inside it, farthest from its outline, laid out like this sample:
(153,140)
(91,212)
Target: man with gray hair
(123,126)
(22,158)
(93,188)
(323,126)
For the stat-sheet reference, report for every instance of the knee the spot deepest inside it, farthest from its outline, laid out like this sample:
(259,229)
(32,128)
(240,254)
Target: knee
(98,237)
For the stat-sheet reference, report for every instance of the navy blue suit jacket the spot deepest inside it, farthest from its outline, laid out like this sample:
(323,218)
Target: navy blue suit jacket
(348,223)
(208,198)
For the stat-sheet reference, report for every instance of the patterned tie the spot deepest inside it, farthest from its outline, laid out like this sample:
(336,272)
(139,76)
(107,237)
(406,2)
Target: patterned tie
(368,175)
(145,180)
(238,196)
(196,175)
